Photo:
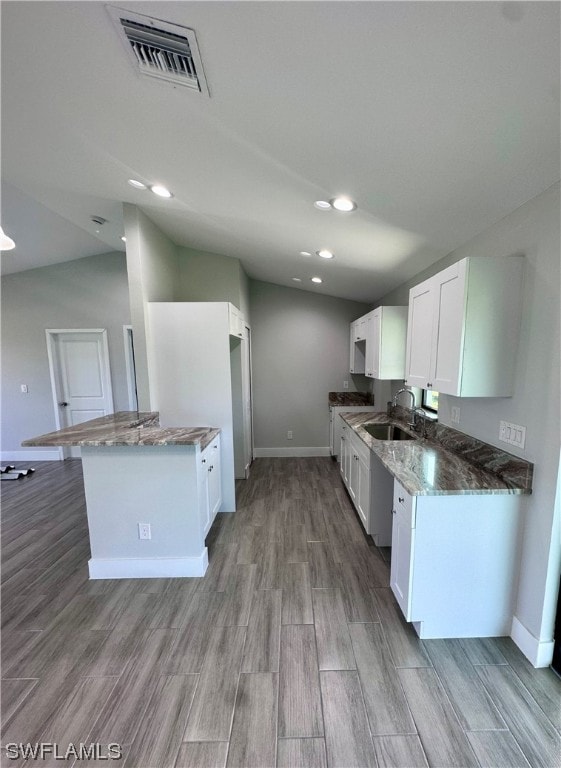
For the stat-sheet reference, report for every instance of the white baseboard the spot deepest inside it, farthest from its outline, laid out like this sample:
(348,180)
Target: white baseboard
(266,453)
(31,454)
(148,567)
(538,652)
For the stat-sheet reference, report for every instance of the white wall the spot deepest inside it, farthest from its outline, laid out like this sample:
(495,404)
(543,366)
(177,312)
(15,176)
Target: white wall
(300,347)
(86,293)
(153,273)
(531,230)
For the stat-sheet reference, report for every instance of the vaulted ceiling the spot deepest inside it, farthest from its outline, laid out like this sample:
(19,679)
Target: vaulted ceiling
(437,118)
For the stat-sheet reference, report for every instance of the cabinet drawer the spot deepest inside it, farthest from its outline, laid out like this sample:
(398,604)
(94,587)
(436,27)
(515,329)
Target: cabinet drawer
(404,504)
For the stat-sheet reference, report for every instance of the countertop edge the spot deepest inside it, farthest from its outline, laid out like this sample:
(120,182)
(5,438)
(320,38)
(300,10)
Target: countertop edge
(377,448)
(122,429)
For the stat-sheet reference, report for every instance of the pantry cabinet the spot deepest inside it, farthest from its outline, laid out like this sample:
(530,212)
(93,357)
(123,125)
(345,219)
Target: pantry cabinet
(454,562)
(385,343)
(463,328)
(199,376)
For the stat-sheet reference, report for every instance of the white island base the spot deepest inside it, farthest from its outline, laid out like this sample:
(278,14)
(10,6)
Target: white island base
(173,488)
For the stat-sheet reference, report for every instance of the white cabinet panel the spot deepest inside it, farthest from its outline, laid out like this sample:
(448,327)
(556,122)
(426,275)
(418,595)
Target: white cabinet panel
(454,562)
(403,543)
(463,328)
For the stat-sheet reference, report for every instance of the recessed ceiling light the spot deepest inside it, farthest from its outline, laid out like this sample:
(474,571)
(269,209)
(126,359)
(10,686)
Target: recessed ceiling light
(124,239)
(6,242)
(325,254)
(160,190)
(323,205)
(297,279)
(305,253)
(343,203)
(316,280)
(137,184)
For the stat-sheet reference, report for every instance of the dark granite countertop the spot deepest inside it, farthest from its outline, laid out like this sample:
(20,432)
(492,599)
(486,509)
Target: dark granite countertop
(126,428)
(456,465)
(351,398)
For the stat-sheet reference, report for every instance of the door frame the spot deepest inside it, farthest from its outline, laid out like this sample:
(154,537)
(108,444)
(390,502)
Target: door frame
(51,334)
(128,340)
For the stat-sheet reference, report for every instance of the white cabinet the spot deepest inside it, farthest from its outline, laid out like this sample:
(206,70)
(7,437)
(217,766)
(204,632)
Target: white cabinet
(358,345)
(345,452)
(369,484)
(385,343)
(402,548)
(209,483)
(463,328)
(199,376)
(454,562)
(236,321)
(335,423)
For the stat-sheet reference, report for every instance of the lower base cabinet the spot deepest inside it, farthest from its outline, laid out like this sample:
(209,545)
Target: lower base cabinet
(209,484)
(454,562)
(369,484)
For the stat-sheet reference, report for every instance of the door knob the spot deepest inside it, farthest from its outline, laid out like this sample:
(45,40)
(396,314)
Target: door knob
(63,404)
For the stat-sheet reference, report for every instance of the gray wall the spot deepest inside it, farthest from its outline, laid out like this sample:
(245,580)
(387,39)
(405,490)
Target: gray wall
(531,230)
(153,271)
(87,293)
(207,276)
(300,349)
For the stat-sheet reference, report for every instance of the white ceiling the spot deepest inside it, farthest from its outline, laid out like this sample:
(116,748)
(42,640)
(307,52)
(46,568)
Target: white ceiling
(437,118)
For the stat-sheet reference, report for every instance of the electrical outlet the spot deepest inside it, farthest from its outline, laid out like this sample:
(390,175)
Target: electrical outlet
(289,434)
(345,385)
(455,414)
(513,434)
(24,389)
(144,531)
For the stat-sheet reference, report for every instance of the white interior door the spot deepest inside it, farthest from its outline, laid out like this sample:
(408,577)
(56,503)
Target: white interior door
(81,377)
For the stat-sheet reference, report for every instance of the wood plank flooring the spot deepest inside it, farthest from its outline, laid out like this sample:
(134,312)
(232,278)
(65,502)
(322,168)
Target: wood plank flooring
(290,652)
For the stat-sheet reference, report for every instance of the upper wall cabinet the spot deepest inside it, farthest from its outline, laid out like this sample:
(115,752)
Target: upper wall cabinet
(378,343)
(385,343)
(463,328)
(358,345)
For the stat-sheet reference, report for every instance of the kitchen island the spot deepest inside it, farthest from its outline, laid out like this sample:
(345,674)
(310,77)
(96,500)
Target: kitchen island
(151,493)
(452,508)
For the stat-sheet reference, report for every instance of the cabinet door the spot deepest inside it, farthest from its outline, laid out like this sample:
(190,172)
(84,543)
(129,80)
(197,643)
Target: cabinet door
(403,549)
(363,493)
(344,452)
(236,321)
(447,349)
(214,483)
(353,474)
(420,329)
(373,339)
(203,491)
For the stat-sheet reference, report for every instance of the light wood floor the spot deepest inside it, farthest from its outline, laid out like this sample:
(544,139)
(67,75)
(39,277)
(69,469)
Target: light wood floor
(291,651)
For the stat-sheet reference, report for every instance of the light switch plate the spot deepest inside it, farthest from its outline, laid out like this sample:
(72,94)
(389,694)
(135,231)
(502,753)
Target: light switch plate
(513,434)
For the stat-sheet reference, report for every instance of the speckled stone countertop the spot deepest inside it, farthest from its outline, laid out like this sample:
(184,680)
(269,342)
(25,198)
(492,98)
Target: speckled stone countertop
(425,467)
(126,428)
(351,398)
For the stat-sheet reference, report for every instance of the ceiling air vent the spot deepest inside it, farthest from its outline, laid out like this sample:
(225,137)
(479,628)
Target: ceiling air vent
(161,49)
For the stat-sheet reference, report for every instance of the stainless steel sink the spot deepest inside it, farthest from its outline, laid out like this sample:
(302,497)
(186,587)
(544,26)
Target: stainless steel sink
(387,432)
